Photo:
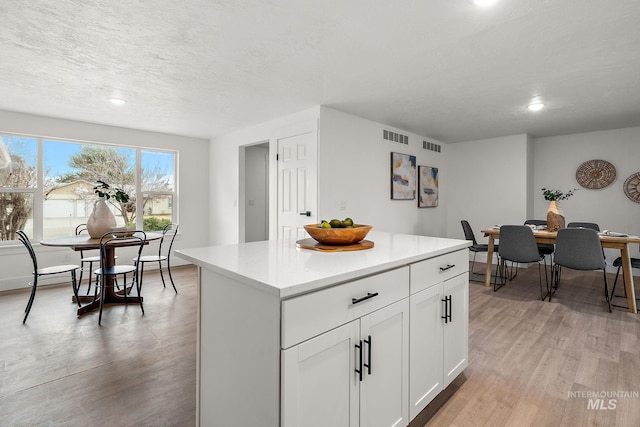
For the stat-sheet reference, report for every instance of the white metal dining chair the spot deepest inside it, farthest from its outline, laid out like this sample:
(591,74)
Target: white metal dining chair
(108,274)
(45,271)
(164,254)
(86,260)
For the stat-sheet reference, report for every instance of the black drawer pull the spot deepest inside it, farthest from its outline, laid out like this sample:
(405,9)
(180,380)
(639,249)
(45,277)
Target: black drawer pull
(448,267)
(369,295)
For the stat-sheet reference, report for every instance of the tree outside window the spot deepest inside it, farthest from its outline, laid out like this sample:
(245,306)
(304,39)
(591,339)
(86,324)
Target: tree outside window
(70,171)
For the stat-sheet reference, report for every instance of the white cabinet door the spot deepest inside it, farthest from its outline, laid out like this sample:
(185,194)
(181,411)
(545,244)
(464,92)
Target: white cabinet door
(456,330)
(319,385)
(384,387)
(426,330)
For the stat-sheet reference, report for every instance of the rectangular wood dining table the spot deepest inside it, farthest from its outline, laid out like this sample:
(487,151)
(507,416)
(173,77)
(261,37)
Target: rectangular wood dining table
(543,236)
(84,242)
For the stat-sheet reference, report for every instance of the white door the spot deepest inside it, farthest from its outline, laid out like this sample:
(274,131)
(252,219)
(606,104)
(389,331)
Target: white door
(426,348)
(456,331)
(319,385)
(297,179)
(384,390)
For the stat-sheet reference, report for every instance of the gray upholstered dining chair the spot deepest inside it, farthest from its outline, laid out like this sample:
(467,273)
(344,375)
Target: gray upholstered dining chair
(543,248)
(578,249)
(518,245)
(164,254)
(591,225)
(475,247)
(45,271)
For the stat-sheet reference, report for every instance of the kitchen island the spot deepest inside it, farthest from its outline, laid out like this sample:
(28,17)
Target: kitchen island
(297,337)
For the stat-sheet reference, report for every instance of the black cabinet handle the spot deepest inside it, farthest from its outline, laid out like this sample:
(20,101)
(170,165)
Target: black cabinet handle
(450,308)
(359,370)
(369,295)
(305,213)
(446,310)
(449,266)
(368,365)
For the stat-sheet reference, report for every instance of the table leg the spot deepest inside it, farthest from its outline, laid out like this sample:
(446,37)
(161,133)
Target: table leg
(487,272)
(628,278)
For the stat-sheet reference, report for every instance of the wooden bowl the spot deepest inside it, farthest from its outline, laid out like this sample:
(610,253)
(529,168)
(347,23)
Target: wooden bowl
(338,236)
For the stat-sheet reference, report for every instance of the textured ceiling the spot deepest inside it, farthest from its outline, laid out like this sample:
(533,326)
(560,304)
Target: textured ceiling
(439,68)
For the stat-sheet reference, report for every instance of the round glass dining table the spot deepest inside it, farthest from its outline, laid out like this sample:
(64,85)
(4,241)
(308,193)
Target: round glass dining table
(84,242)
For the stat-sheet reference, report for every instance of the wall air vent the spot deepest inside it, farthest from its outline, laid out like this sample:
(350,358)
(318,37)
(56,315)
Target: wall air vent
(431,146)
(395,137)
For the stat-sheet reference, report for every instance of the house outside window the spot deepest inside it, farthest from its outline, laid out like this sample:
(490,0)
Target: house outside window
(46,185)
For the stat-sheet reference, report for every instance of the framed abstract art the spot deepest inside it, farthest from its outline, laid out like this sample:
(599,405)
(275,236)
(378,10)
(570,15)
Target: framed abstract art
(427,187)
(403,176)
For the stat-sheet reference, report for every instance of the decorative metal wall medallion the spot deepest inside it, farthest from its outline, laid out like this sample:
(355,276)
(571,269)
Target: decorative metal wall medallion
(632,187)
(595,174)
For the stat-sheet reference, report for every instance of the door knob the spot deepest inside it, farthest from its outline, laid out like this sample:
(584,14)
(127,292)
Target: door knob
(307,213)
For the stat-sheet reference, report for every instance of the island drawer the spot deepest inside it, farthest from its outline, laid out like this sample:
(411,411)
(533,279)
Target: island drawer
(312,314)
(429,272)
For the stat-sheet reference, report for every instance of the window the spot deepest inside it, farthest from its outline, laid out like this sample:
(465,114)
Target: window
(48,195)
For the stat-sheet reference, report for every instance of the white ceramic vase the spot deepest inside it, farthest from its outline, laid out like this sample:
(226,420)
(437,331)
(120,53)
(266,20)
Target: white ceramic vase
(555,216)
(101,219)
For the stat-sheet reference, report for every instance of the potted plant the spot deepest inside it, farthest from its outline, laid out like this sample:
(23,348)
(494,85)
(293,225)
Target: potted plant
(105,190)
(555,215)
(102,219)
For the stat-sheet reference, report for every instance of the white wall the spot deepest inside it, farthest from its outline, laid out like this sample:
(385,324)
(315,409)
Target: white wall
(192,192)
(489,183)
(556,160)
(354,167)
(224,174)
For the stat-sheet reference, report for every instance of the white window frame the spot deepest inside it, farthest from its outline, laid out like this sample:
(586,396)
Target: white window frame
(38,191)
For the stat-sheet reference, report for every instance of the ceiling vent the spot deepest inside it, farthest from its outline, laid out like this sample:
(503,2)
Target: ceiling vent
(395,137)
(431,146)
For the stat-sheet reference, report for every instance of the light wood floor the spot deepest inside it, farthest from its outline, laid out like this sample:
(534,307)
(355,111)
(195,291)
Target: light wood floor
(526,358)
(134,370)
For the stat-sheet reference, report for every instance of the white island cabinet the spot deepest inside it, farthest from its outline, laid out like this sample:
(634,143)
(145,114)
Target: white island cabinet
(291,337)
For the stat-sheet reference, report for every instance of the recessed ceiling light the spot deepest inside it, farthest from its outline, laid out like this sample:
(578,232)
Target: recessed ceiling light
(484,3)
(536,106)
(117,101)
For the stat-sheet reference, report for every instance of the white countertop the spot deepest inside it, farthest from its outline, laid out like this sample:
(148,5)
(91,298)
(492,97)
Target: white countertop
(280,268)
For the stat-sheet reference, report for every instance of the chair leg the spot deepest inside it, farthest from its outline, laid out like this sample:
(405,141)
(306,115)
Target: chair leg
(606,289)
(138,280)
(103,285)
(503,278)
(141,275)
(81,272)
(170,276)
(75,285)
(90,274)
(124,279)
(31,298)
(473,262)
(554,280)
(161,276)
(543,296)
(615,281)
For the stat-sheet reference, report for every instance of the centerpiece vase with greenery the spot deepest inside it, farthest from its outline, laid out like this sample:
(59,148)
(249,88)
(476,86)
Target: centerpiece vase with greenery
(555,214)
(102,219)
